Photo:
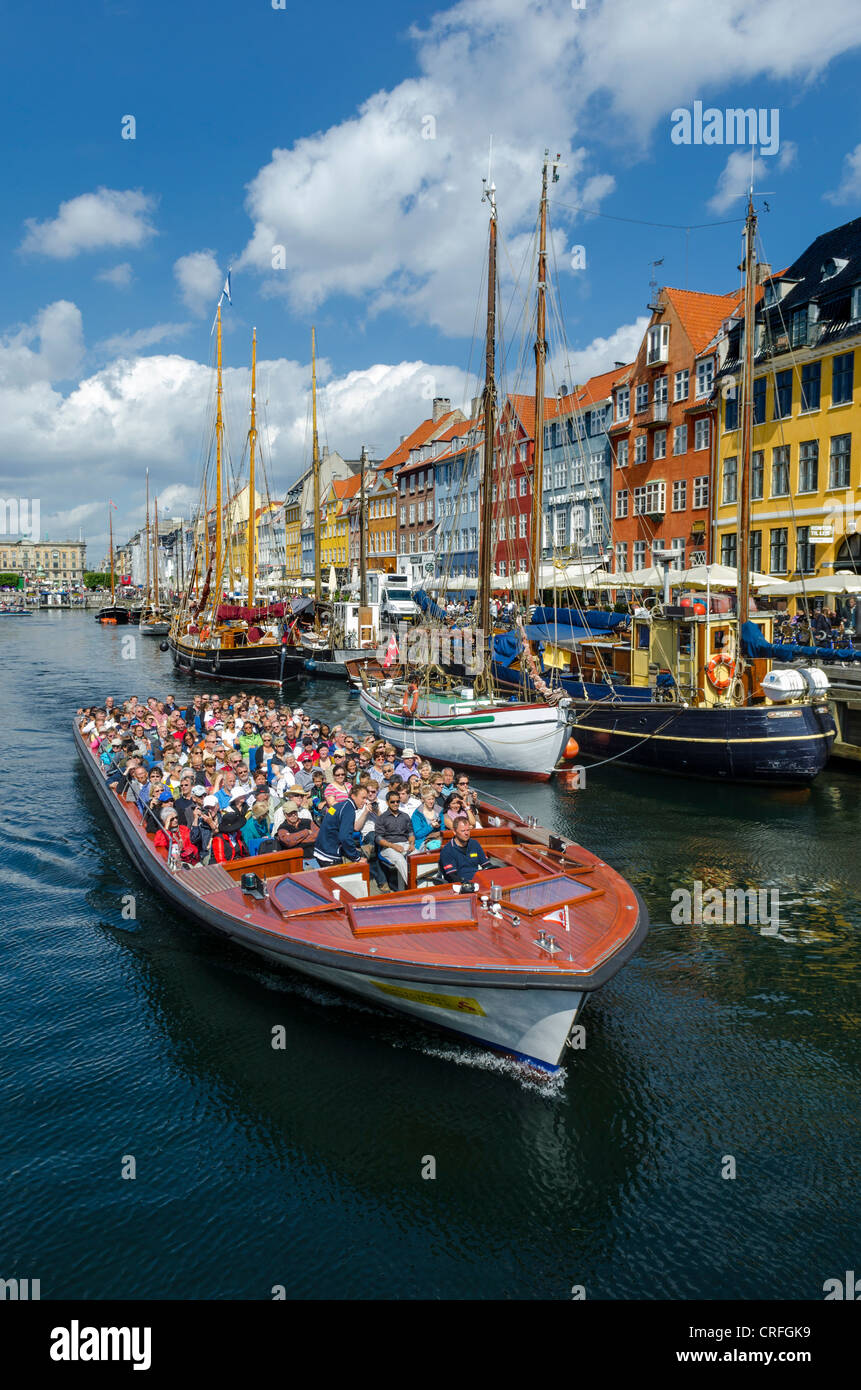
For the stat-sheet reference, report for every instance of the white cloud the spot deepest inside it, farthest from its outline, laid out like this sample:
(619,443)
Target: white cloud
(849,188)
(58,331)
(575,367)
(734,180)
(108,217)
(120,276)
(200,281)
(123,344)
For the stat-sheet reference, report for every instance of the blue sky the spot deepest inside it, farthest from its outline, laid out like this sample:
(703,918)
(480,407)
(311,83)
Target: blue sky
(383,228)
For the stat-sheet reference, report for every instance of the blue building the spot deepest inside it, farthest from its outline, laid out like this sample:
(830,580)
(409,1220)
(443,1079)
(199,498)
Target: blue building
(457,466)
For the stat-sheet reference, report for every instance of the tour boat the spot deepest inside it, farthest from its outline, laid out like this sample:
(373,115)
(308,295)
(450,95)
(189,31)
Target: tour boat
(509,967)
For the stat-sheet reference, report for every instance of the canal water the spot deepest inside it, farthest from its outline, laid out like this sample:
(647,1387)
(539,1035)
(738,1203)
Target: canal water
(719,1048)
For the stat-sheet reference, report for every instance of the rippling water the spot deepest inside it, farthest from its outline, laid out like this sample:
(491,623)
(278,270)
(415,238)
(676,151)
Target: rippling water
(303,1167)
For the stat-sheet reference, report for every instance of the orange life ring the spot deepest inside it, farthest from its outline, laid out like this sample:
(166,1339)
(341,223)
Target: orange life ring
(723,664)
(411,699)
(204,633)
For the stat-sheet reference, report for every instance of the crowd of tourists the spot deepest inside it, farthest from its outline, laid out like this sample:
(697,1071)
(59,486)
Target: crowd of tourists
(217,780)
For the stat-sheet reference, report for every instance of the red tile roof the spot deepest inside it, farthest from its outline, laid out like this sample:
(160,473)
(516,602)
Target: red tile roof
(420,435)
(702,314)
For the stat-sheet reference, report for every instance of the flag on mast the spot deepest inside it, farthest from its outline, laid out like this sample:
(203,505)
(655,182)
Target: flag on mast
(226,290)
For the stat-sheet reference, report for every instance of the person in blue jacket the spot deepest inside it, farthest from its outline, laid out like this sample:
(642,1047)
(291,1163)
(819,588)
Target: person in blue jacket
(461,859)
(338,837)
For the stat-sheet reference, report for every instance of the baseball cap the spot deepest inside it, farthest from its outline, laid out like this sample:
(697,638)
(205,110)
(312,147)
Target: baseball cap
(210,801)
(165,796)
(261,791)
(198,790)
(289,807)
(409,753)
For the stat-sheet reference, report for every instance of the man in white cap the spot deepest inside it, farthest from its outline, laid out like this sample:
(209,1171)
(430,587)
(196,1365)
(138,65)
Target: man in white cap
(407,765)
(204,824)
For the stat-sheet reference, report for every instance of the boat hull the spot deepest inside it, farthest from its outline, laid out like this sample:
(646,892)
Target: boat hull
(261,665)
(332,662)
(113,615)
(154,629)
(500,739)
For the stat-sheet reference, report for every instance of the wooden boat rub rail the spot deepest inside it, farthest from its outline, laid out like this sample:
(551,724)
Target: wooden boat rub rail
(550,974)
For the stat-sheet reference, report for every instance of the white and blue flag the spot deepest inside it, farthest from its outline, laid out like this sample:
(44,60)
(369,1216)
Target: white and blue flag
(226,290)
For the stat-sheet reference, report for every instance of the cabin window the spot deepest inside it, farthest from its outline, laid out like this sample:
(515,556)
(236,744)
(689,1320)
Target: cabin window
(642,637)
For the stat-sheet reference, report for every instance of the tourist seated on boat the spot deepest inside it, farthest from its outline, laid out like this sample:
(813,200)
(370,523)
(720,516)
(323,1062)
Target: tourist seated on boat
(290,827)
(456,808)
(184,803)
(407,765)
(448,784)
(138,782)
(394,837)
(248,739)
(427,820)
(257,830)
(159,802)
(461,859)
(171,832)
(339,784)
(204,825)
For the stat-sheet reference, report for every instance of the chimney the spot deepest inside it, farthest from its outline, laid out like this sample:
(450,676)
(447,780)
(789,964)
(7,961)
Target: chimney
(763,272)
(475,407)
(441,406)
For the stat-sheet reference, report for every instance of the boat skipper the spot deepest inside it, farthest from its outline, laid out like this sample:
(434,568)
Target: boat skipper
(336,839)
(461,859)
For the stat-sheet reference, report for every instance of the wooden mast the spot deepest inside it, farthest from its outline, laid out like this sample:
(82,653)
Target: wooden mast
(148,539)
(252,449)
(111,545)
(219,434)
(540,363)
(315,463)
(363,558)
(747,423)
(489,412)
(155,561)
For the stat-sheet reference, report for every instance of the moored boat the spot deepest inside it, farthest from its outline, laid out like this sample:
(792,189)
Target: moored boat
(509,967)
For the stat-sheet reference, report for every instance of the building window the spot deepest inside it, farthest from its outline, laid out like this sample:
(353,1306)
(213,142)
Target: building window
(778,559)
(640,453)
(523,486)
(560,474)
(561,526)
(805,552)
(811,382)
(659,449)
(677,545)
(522,526)
(680,495)
(730,413)
(798,327)
(701,491)
(843,379)
(412,513)
(780,471)
(642,402)
(429,509)
(621,504)
(623,403)
(493,492)
(658,343)
(840,467)
(659,394)
(650,499)
(730,480)
(512,527)
(701,433)
(757,475)
(403,516)
(782,395)
(728,549)
(808,466)
(681,385)
(639,555)
(512,487)
(680,439)
(705,377)
(622,454)
(621,556)
(760,394)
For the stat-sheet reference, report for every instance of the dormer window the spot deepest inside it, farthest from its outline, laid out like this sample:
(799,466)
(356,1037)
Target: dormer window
(769,296)
(798,327)
(856,303)
(658,344)
(833,267)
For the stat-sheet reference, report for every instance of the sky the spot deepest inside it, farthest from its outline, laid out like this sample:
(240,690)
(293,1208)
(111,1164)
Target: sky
(333,156)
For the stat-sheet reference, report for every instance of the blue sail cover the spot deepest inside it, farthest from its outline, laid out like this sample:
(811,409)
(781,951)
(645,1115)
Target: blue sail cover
(755,647)
(593,621)
(427,604)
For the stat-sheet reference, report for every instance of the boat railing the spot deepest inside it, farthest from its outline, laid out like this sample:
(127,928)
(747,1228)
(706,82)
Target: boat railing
(496,800)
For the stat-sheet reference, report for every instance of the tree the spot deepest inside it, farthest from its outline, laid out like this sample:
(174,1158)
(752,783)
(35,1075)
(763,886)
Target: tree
(96,579)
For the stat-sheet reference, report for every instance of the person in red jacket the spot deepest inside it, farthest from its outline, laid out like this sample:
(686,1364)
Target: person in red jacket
(174,833)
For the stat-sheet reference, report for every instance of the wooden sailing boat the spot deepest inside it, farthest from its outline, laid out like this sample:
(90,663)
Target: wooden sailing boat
(210,637)
(450,721)
(113,613)
(680,691)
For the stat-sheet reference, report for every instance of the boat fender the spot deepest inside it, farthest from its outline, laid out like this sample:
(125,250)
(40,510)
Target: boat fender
(572,748)
(163,646)
(411,699)
(720,671)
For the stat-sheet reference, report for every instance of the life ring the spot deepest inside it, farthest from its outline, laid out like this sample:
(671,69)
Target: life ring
(410,700)
(720,671)
(204,634)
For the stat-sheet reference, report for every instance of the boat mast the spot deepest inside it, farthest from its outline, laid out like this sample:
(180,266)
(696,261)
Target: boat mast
(540,363)
(743,542)
(252,448)
(489,411)
(111,545)
(315,463)
(148,538)
(155,559)
(363,559)
(219,434)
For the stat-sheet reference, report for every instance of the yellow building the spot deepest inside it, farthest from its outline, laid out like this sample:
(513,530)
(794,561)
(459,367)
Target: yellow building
(806,462)
(334,526)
